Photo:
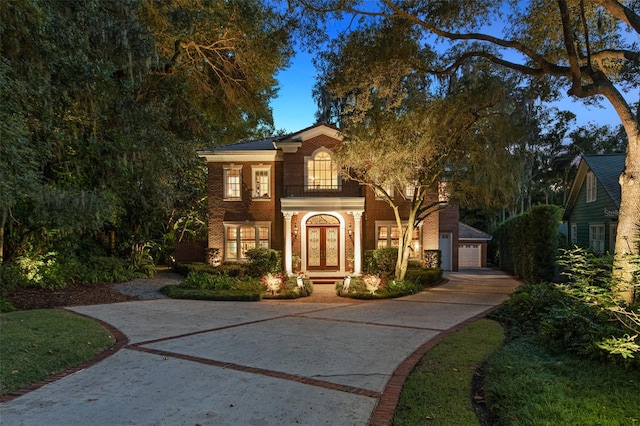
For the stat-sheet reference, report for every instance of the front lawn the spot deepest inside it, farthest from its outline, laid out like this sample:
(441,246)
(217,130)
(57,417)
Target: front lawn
(39,343)
(438,391)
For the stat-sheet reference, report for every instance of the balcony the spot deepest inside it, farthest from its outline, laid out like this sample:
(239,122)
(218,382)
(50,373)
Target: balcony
(346,189)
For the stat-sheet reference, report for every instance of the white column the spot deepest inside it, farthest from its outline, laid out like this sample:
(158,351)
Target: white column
(288,256)
(357,243)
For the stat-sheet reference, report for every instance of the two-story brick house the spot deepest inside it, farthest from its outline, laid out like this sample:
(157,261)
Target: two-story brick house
(285,193)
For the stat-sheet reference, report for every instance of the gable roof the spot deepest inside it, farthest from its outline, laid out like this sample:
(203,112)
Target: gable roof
(606,168)
(271,143)
(466,232)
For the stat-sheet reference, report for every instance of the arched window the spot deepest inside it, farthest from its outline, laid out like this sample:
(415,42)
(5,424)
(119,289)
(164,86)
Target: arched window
(322,172)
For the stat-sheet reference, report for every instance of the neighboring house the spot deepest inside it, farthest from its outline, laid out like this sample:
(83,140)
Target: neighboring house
(473,245)
(593,204)
(285,193)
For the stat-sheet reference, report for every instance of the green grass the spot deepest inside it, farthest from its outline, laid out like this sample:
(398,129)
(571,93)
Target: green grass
(36,344)
(528,385)
(438,391)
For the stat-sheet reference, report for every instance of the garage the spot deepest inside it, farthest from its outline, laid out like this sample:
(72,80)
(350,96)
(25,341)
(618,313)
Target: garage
(472,247)
(469,256)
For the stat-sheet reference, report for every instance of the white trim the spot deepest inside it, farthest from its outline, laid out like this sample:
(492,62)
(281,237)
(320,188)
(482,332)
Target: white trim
(225,182)
(303,239)
(591,184)
(593,227)
(317,131)
(239,224)
(311,159)
(230,156)
(261,168)
(322,204)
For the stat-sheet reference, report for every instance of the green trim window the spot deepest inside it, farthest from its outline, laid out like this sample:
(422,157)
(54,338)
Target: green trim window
(596,238)
(591,187)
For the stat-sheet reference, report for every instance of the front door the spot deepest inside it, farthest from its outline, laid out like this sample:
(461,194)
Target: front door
(323,248)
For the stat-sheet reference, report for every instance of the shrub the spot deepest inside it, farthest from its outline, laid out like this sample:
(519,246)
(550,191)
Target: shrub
(205,281)
(423,277)
(556,319)
(262,261)
(186,268)
(381,261)
(233,269)
(362,288)
(108,269)
(11,277)
(204,286)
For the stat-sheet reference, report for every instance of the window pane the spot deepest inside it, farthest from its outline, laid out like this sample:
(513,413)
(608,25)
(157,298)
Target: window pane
(261,185)
(231,251)
(232,184)
(247,239)
(322,172)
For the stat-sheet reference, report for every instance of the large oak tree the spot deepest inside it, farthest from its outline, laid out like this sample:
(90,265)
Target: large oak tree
(586,48)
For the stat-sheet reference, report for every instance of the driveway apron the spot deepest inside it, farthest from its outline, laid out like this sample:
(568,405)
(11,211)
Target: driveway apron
(266,363)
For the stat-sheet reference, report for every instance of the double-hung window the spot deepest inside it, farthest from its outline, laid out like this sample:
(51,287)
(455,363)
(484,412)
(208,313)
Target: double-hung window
(410,190)
(232,183)
(596,238)
(591,187)
(261,178)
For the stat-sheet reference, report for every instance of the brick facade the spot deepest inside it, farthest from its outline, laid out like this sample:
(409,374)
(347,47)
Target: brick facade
(351,211)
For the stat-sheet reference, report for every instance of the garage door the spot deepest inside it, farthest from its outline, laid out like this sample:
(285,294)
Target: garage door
(469,256)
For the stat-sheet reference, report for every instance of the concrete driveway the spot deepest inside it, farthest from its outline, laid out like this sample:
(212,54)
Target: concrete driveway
(267,363)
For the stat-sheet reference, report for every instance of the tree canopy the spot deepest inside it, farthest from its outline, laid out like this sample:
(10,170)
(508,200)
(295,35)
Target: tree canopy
(104,106)
(586,48)
(408,135)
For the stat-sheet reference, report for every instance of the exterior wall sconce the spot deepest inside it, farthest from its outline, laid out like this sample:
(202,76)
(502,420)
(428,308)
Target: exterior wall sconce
(295,231)
(350,231)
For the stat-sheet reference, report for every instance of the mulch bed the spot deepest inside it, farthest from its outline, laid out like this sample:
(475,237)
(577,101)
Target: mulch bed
(72,295)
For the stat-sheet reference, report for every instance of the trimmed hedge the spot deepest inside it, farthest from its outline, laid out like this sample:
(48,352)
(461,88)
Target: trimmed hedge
(424,278)
(527,245)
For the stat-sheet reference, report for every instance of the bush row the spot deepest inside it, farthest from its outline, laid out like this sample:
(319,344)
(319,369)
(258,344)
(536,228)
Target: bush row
(527,245)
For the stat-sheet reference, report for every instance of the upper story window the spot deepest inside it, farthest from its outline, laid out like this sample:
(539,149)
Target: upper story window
(386,188)
(232,182)
(321,171)
(261,178)
(591,187)
(410,190)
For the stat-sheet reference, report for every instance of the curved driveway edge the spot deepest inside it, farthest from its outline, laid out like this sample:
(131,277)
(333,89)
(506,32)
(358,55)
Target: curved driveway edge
(268,363)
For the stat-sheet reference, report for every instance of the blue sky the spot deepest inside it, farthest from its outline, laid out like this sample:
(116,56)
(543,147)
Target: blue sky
(294,108)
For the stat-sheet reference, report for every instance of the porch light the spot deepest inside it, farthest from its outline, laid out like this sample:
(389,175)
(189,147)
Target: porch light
(295,231)
(350,231)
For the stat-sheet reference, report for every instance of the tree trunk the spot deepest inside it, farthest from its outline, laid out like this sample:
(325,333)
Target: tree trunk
(629,218)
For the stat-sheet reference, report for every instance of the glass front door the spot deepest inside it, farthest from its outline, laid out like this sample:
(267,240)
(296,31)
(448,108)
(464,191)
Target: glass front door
(323,248)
